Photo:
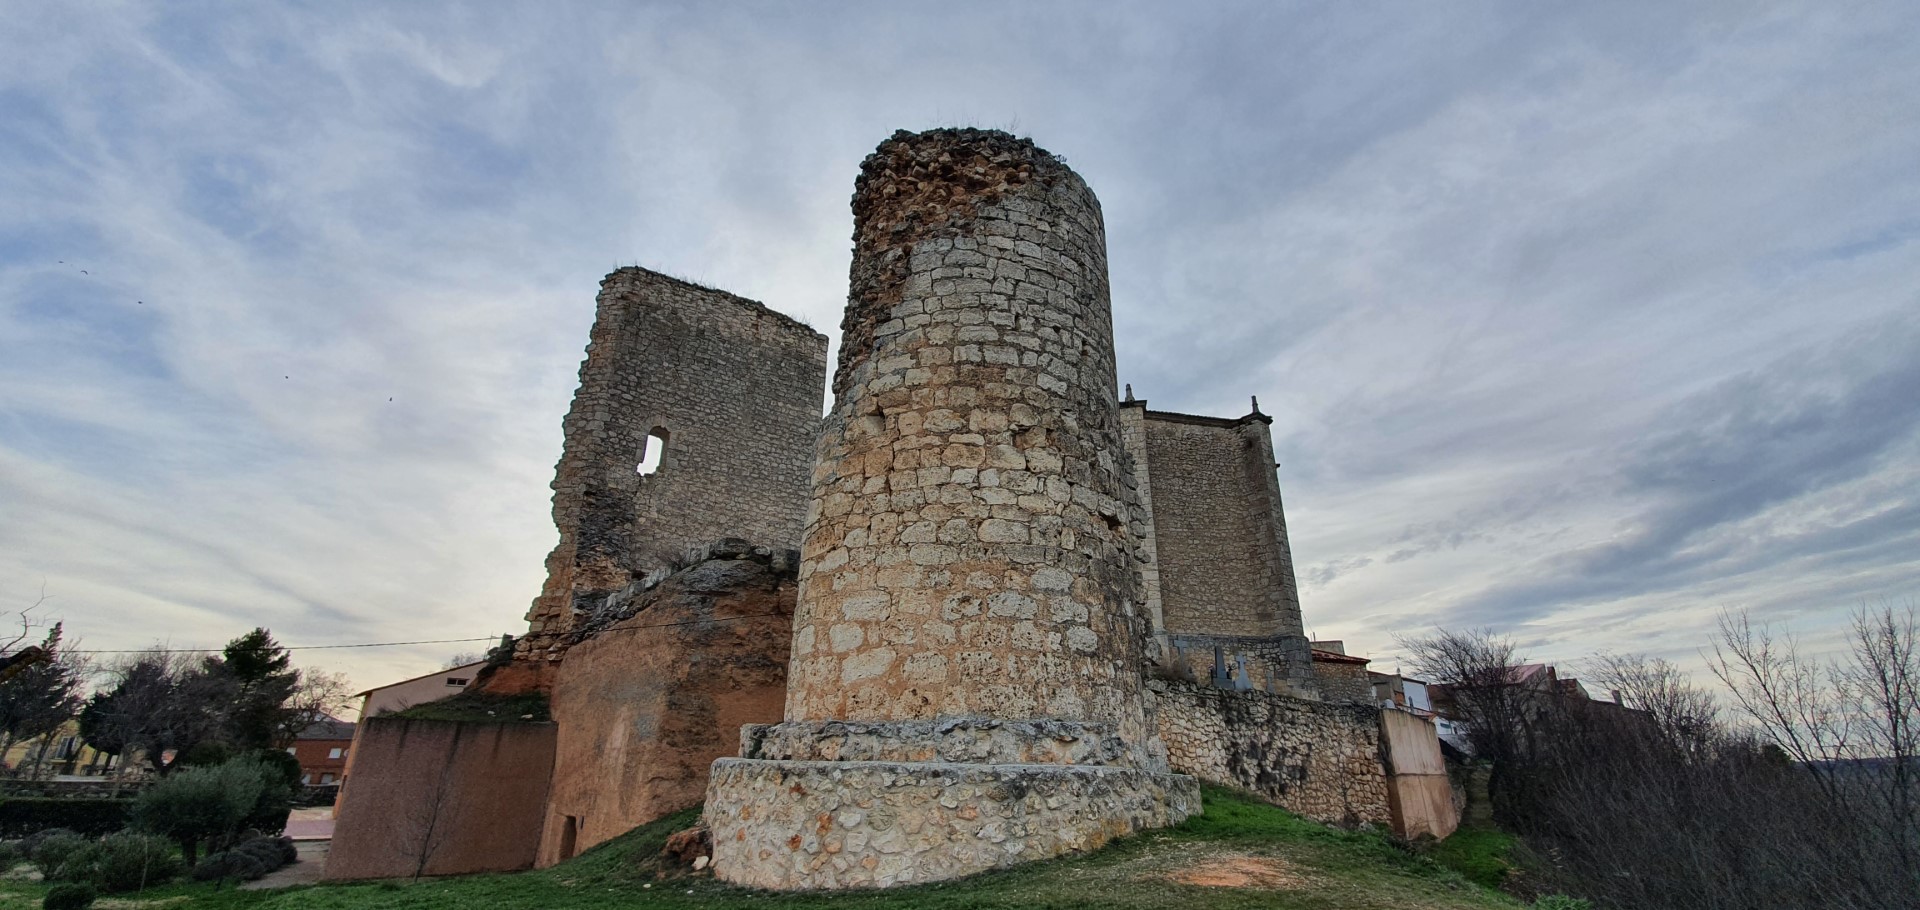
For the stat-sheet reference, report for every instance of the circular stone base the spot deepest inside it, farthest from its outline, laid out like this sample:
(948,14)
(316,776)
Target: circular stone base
(796,825)
(966,740)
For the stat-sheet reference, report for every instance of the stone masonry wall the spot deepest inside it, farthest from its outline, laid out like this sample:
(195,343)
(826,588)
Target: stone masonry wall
(646,704)
(830,824)
(1220,569)
(1224,564)
(1343,680)
(970,548)
(737,390)
(1319,760)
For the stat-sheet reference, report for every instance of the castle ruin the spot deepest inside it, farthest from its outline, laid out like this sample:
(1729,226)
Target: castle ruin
(985,611)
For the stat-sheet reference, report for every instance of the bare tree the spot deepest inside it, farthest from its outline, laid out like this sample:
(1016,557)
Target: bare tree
(1684,715)
(426,823)
(157,702)
(1785,694)
(1881,687)
(319,695)
(1475,682)
(1852,725)
(36,698)
(462,659)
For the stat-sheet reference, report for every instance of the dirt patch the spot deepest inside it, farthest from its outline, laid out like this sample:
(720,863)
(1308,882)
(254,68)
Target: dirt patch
(1238,871)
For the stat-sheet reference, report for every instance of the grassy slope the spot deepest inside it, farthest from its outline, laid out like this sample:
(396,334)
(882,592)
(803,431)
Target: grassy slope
(1323,868)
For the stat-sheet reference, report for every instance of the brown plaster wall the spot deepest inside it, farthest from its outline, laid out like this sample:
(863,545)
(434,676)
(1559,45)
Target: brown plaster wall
(469,796)
(737,387)
(1419,794)
(645,706)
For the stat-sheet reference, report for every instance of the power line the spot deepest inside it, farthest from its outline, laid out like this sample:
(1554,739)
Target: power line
(371,644)
(431,641)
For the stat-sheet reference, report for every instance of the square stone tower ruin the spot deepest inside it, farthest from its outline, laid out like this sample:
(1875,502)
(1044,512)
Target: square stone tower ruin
(694,420)
(966,686)
(1218,576)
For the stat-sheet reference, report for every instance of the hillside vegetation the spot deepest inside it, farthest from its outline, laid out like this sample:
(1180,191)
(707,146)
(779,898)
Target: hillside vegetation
(1241,853)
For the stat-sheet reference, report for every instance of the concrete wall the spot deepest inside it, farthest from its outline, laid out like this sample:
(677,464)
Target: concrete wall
(1418,791)
(1316,759)
(452,797)
(645,706)
(736,388)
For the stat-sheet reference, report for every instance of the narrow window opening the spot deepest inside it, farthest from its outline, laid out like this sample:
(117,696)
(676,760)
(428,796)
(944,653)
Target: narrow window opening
(569,835)
(653,451)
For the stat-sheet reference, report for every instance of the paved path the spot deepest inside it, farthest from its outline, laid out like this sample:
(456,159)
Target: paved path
(311,824)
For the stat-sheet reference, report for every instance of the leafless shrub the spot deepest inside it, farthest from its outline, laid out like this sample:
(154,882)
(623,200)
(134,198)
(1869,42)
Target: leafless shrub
(1662,801)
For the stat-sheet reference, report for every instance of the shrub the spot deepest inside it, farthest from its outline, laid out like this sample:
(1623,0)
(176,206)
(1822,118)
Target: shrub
(202,804)
(125,862)
(247,860)
(32,842)
(71,896)
(23,816)
(54,855)
(9,855)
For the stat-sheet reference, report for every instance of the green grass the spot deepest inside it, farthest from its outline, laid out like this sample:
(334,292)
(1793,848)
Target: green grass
(1314,867)
(1482,854)
(530,708)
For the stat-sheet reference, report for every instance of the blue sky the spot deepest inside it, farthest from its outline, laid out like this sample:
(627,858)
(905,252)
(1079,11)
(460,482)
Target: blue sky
(1582,322)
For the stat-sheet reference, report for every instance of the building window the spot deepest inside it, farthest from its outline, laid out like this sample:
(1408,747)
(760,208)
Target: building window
(306,779)
(326,779)
(457,681)
(653,451)
(336,752)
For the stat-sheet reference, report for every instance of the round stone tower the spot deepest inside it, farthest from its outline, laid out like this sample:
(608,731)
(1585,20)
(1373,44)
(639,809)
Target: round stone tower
(968,642)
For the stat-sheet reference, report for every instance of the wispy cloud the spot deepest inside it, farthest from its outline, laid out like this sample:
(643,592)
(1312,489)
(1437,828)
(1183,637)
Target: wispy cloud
(1581,322)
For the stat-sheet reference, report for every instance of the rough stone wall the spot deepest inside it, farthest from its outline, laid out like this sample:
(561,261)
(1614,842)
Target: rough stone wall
(827,824)
(1316,759)
(646,704)
(1343,679)
(969,547)
(468,796)
(1133,440)
(1270,662)
(1220,570)
(737,390)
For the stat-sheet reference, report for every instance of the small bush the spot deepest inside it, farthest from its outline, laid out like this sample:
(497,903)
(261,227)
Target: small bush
(9,855)
(204,804)
(247,860)
(32,842)
(55,853)
(23,816)
(70,896)
(125,862)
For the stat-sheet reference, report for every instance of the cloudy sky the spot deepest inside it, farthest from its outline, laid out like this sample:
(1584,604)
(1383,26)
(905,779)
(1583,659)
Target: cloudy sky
(1578,321)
